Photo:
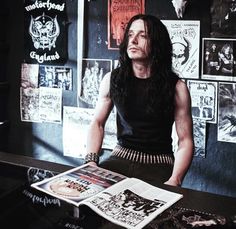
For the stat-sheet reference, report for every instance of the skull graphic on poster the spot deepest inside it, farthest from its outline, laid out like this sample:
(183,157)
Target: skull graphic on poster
(44,31)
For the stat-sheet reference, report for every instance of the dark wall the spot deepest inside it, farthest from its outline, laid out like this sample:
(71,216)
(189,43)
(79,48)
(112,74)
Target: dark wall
(42,141)
(215,173)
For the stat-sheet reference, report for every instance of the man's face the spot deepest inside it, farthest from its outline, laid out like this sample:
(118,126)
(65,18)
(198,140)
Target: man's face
(138,48)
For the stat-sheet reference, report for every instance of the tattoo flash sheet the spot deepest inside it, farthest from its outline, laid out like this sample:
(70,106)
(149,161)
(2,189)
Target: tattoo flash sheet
(204,99)
(185,38)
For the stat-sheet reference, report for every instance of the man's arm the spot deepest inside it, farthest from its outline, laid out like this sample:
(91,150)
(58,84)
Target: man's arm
(102,111)
(184,129)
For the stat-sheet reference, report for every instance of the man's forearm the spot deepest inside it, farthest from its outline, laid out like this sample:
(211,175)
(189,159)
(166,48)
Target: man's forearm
(95,138)
(183,159)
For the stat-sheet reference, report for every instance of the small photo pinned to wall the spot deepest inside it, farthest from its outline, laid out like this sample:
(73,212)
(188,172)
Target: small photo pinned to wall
(218,59)
(55,77)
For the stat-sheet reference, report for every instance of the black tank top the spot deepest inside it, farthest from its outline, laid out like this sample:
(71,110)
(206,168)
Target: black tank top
(140,130)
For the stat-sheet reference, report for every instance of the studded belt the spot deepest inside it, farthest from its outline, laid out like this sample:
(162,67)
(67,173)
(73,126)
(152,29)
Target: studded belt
(141,157)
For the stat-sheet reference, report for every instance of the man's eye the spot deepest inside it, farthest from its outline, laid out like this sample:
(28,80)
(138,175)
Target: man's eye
(143,35)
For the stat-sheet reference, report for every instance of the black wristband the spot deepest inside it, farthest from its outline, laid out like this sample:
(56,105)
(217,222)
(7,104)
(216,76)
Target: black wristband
(91,157)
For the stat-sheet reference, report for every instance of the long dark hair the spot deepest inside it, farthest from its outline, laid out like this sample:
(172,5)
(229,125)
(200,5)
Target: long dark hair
(161,88)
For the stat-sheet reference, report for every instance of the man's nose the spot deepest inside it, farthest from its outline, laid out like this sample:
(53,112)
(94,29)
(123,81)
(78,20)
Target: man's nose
(134,39)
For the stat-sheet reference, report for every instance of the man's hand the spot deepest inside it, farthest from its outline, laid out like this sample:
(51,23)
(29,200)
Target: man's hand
(92,163)
(173,182)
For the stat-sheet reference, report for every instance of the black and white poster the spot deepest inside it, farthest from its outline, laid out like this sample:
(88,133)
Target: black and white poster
(55,77)
(204,99)
(29,75)
(29,104)
(227,112)
(185,38)
(45,31)
(93,71)
(50,104)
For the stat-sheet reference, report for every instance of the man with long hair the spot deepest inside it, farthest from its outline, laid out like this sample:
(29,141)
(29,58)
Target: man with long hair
(149,97)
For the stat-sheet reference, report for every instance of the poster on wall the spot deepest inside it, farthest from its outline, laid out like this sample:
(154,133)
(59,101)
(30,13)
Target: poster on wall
(29,75)
(119,13)
(223,18)
(199,134)
(185,39)
(45,31)
(55,77)
(29,104)
(227,112)
(204,100)
(50,104)
(76,122)
(93,71)
(218,58)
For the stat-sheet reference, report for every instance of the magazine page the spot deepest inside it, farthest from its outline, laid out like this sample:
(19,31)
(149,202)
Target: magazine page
(78,183)
(131,203)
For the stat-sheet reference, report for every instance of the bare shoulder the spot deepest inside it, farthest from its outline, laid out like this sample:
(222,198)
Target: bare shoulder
(181,88)
(181,85)
(182,92)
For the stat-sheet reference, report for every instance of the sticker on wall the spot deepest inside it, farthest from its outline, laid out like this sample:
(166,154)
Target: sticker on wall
(45,31)
(119,13)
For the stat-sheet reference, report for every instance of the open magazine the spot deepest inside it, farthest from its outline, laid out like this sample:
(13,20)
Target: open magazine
(128,202)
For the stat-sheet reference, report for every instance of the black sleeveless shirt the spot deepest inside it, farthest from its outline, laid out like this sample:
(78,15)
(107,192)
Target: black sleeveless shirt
(140,130)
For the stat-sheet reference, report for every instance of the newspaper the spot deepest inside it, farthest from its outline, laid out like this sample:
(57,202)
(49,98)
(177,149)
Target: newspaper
(128,202)
(78,183)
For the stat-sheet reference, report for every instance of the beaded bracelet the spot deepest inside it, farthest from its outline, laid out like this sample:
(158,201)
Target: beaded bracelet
(91,157)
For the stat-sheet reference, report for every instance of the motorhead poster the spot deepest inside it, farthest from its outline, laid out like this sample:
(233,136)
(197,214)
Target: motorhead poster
(45,31)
